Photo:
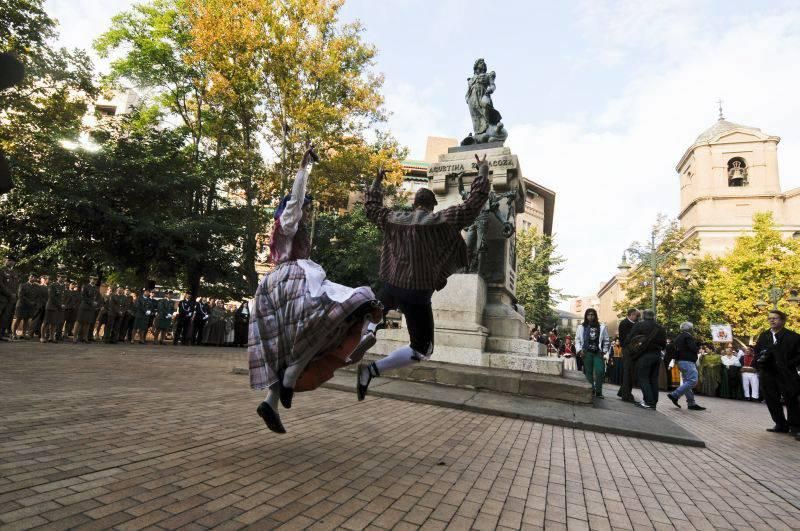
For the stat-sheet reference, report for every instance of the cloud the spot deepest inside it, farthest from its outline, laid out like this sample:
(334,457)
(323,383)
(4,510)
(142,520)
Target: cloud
(613,170)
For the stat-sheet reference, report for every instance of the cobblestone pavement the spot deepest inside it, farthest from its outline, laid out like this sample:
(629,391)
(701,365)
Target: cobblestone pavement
(132,437)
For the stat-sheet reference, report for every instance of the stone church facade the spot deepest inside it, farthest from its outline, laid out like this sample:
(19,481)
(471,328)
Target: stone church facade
(729,173)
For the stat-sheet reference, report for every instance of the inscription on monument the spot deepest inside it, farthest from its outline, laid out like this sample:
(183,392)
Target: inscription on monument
(444,168)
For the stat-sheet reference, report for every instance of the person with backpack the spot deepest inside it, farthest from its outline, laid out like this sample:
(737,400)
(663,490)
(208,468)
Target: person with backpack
(645,342)
(684,351)
(592,340)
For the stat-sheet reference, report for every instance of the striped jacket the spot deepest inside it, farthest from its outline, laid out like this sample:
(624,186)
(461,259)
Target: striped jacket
(421,249)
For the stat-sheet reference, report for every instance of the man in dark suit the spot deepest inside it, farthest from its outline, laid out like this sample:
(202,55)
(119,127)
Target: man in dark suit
(628,363)
(777,358)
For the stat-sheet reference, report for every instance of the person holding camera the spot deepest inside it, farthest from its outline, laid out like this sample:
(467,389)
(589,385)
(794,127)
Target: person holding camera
(777,359)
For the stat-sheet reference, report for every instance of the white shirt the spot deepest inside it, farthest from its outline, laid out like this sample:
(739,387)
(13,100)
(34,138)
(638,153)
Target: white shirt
(731,361)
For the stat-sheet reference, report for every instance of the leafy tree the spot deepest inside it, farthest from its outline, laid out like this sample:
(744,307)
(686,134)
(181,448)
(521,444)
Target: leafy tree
(348,247)
(757,262)
(292,66)
(679,297)
(35,117)
(157,43)
(538,261)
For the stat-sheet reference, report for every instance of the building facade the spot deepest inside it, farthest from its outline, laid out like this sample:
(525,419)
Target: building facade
(728,174)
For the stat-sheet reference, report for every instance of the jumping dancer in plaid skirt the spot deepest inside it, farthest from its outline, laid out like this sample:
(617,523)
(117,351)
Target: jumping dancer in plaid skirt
(420,250)
(298,314)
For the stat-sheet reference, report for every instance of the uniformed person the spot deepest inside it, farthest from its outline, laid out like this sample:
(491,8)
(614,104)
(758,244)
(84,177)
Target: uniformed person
(164,310)
(116,309)
(201,316)
(25,309)
(183,320)
(53,310)
(9,284)
(126,334)
(72,299)
(140,317)
(41,302)
(102,313)
(90,300)
(61,280)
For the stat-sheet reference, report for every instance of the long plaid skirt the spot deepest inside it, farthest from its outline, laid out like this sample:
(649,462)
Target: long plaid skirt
(288,326)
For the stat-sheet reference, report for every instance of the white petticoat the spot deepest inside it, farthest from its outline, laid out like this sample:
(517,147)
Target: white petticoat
(317,283)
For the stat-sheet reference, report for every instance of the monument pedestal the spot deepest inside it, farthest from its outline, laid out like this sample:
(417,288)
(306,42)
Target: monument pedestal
(459,311)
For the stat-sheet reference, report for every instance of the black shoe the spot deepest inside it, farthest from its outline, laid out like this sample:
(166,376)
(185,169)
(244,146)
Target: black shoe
(270,417)
(643,405)
(286,394)
(794,431)
(628,399)
(675,401)
(361,390)
(600,395)
(778,429)
(695,407)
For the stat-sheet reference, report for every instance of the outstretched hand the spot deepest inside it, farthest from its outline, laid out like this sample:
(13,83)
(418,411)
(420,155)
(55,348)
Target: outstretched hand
(481,162)
(310,155)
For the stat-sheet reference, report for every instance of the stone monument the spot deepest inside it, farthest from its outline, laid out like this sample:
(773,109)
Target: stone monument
(478,321)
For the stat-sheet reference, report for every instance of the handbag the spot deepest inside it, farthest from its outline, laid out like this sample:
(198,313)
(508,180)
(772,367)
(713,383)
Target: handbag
(638,344)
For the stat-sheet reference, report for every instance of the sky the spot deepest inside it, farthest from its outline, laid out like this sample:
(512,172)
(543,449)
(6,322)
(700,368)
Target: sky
(600,98)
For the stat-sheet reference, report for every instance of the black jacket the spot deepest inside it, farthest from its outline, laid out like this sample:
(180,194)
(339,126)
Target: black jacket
(646,327)
(786,352)
(624,331)
(685,348)
(785,358)
(185,309)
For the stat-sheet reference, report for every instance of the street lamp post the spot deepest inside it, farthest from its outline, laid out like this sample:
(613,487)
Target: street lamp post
(774,295)
(655,260)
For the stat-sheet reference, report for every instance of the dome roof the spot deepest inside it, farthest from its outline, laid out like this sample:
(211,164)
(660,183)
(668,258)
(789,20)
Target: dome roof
(720,127)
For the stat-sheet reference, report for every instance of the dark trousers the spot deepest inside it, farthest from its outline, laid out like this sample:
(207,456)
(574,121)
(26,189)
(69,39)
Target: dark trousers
(126,328)
(70,315)
(771,384)
(416,307)
(197,331)
(6,315)
(182,326)
(647,367)
(38,319)
(113,326)
(628,376)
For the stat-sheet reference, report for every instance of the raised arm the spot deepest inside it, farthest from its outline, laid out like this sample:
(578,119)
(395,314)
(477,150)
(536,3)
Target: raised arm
(293,212)
(373,205)
(464,214)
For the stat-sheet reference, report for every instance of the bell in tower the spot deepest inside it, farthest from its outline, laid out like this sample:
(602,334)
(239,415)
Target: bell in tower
(737,172)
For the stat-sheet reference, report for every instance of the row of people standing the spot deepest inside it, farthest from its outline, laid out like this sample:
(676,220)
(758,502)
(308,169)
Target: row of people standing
(209,322)
(58,310)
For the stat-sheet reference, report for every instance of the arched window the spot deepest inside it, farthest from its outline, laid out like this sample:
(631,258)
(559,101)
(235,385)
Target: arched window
(737,172)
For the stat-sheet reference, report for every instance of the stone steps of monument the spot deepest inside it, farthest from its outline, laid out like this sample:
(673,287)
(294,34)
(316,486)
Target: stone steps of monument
(604,416)
(572,388)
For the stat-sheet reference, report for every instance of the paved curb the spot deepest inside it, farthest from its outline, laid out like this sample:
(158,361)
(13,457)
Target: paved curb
(609,416)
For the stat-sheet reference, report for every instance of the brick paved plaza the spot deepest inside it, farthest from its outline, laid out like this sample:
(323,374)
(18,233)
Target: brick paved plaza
(132,437)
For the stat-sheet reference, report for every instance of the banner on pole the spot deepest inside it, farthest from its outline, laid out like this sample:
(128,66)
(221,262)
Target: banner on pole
(721,333)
